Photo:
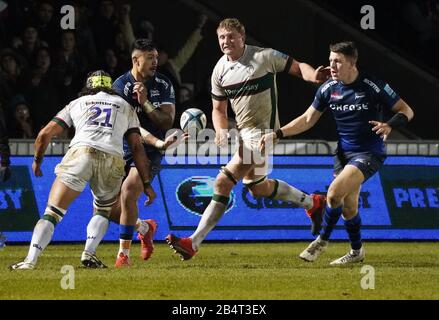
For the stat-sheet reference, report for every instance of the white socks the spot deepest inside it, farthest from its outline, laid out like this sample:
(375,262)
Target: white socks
(210,218)
(41,237)
(96,229)
(285,192)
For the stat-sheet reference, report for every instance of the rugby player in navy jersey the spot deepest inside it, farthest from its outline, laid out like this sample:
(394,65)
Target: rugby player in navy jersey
(153,98)
(355,99)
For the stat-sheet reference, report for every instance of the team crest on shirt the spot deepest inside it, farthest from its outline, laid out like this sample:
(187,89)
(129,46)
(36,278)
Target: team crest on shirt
(336,96)
(154,93)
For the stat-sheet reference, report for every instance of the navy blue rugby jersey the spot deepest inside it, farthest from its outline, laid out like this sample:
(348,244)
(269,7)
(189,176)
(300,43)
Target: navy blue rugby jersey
(353,106)
(160,91)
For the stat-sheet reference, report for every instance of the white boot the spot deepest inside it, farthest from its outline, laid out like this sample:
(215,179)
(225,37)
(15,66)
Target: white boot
(314,250)
(352,257)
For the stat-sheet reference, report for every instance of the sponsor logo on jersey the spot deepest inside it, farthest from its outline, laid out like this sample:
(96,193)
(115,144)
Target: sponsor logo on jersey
(336,96)
(389,91)
(326,86)
(349,107)
(246,88)
(159,80)
(126,89)
(372,84)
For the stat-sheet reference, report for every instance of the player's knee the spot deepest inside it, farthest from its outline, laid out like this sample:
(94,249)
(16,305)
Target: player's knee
(334,198)
(258,191)
(130,192)
(54,214)
(349,210)
(103,207)
(223,183)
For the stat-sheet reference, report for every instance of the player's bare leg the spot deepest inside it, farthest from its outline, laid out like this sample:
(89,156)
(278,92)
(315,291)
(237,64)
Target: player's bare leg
(130,192)
(234,171)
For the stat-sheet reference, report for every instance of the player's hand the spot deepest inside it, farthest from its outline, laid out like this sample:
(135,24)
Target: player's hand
(141,91)
(36,168)
(381,128)
(322,74)
(5,173)
(267,139)
(221,138)
(150,194)
(174,140)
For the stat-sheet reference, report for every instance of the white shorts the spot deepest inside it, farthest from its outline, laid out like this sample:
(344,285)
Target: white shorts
(102,170)
(249,139)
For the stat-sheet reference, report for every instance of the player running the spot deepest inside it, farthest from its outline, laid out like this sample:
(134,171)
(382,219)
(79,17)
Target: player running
(245,76)
(355,100)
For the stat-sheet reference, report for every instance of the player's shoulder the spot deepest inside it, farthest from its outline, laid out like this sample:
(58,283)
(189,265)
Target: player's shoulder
(325,87)
(220,64)
(162,80)
(372,82)
(122,79)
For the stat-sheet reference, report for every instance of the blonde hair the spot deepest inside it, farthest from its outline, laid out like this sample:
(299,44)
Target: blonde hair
(232,23)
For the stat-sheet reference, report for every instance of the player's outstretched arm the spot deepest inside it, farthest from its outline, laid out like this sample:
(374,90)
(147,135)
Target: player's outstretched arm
(308,73)
(41,142)
(403,114)
(171,140)
(142,163)
(301,124)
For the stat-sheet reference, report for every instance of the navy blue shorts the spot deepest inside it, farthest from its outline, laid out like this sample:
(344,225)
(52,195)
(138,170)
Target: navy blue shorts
(154,156)
(367,162)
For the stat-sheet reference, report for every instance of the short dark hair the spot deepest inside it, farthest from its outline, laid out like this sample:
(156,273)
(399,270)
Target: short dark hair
(348,48)
(143,45)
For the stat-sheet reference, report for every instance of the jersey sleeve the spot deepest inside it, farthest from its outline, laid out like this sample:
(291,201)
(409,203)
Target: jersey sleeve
(278,61)
(123,89)
(167,93)
(321,100)
(218,92)
(64,118)
(118,86)
(133,119)
(387,96)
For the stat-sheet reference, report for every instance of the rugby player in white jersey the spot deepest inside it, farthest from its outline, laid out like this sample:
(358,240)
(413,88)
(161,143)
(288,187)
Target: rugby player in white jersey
(101,119)
(245,76)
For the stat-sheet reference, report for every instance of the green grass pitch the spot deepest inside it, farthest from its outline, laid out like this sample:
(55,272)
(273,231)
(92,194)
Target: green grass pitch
(229,271)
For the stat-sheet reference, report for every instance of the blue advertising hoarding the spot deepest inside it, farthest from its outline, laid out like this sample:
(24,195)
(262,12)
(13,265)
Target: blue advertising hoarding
(401,202)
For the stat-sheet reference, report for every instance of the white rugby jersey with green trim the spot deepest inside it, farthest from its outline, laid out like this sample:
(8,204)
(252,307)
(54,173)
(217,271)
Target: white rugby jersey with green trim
(100,121)
(250,85)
